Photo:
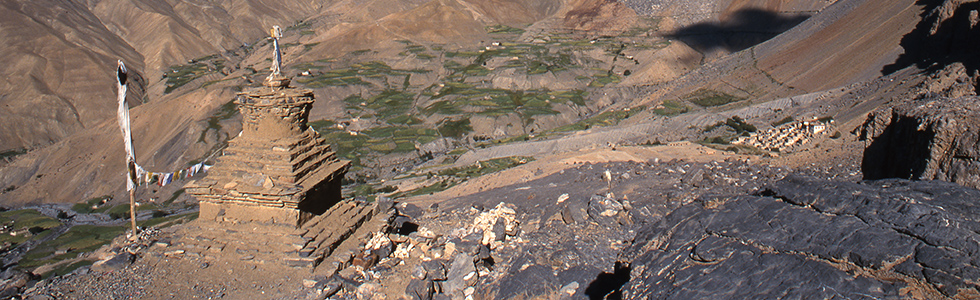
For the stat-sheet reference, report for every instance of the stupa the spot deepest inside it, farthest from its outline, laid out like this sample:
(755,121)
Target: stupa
(278,170)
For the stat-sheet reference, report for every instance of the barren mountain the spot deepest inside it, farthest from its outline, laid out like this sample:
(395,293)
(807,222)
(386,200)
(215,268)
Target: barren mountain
(170,32)
(428,45)
(823,52)
(58,68)
(60,55)
(193,33)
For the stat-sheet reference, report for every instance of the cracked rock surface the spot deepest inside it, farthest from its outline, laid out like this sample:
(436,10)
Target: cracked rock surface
(803,237)
(549,238)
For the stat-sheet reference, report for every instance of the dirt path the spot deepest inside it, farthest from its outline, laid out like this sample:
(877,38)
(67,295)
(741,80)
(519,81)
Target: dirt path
(551,164)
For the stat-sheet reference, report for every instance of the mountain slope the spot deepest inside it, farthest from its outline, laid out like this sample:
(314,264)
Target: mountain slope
(60,55)
(169,32)
(801,60)
(58,65)
(175,128)
(822,52)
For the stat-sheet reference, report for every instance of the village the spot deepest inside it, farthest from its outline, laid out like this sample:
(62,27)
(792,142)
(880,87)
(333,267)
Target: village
(786,137)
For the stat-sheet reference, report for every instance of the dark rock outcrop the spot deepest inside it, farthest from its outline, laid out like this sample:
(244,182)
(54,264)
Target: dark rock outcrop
(947,32)
(574,224)
(935,138)
(808,238)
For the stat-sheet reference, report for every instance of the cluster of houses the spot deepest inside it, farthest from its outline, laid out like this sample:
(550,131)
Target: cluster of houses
(785,137)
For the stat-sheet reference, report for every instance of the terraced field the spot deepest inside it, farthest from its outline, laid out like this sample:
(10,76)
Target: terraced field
(464,97)
(57,236)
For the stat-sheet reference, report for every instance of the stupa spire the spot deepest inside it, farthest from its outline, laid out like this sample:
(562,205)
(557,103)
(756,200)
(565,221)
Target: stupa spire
(276,79)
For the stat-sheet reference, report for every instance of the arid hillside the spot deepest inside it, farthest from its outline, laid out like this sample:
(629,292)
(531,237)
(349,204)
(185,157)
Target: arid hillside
(58,69)
(60,56)
(421,83)
(849,41)
(189,71)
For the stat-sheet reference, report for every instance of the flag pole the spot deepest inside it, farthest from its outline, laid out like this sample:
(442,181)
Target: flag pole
(132,209)
(123,118)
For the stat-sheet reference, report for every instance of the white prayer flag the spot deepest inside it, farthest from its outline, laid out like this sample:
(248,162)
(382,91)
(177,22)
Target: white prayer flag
(123,117)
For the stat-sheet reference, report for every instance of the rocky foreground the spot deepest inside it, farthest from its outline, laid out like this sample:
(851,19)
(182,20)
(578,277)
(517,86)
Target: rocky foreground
(743,233)
(808,238)
(675,229)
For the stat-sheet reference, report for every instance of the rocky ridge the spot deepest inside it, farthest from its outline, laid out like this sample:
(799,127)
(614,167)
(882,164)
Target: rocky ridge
(934,138)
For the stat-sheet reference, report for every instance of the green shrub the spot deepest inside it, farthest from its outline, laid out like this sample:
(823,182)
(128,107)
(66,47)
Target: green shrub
(503,29)
(783,121)
(85,207)
(709,98)
(455,128)
(9,154)
(739,125)
(78,239)
(670,108)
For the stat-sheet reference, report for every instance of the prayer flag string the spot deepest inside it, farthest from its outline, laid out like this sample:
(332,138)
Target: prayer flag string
(162,179)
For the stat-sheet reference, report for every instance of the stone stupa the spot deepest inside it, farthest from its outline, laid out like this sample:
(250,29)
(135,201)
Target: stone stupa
(278,170)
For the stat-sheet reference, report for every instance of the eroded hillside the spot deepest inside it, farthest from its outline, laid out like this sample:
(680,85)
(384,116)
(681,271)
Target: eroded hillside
(415,85)
(60,56)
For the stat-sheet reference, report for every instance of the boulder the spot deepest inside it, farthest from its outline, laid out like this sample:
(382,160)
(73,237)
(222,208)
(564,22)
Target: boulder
(934,138)
(462,265)
(419,289)
(434,269)
(605,211)
(419,272)
(117,262)
(499,230)
(409,210)
(574,212)
(369,291)
(404,225)
(527,282)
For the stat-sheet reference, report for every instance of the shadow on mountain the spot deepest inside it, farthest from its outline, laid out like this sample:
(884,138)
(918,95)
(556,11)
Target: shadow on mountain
(743,29)
(941,40)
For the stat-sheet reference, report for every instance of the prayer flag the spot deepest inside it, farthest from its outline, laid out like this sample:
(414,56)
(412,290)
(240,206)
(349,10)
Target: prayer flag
(122,114)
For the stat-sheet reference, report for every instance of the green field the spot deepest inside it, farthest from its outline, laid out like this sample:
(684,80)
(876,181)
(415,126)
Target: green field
(179,75)
(670,108)
(709,98)
(453,92)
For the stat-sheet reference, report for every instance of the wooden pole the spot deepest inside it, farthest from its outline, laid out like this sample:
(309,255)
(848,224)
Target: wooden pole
(132,209)
(132,195)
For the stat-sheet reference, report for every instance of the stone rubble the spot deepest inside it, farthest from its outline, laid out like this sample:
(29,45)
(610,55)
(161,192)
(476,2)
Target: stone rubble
(739,221)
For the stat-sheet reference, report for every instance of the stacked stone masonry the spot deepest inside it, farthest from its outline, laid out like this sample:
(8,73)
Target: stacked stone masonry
(278,169)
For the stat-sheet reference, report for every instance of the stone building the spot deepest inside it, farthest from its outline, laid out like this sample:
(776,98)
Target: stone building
(785,137)
(278,170)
